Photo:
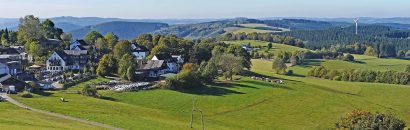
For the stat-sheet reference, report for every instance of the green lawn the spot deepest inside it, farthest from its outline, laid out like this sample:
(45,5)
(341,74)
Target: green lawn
(15,118)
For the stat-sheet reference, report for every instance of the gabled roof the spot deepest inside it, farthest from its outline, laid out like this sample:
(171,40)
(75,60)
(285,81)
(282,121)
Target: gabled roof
(138,48)
(153,64)
(163,56)
(75,52)
(81,47)
(10,51)
(82,42)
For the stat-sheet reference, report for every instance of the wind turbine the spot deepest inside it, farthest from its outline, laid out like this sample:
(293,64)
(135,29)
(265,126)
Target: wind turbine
(356,21)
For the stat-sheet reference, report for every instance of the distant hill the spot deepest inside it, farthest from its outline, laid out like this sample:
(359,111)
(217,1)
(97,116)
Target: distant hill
(302,24)
(216,28)
(207,29)
(124,30)
(67,26)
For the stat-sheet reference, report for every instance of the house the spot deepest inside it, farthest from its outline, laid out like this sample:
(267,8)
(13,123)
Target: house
(152,68)
(179,59)
(4,69)
(10,84)
(140,52)
(75,58)
(171,63)
(78,45)
(12,58)
(246,47)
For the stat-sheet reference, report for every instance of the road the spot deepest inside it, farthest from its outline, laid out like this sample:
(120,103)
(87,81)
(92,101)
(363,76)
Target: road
(11,100)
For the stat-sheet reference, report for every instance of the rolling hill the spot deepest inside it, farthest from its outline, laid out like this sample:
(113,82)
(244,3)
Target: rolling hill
(124,30)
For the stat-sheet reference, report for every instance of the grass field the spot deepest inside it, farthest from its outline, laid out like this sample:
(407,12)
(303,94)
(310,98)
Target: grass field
(250,28)
(300,103)
(15,118)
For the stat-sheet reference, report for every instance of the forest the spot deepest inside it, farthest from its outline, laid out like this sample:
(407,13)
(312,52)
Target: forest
(386,41)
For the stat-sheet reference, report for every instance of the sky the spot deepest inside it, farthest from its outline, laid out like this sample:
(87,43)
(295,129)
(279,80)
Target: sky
(195,9)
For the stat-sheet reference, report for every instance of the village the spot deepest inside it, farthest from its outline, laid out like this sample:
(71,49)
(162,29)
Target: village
(17,70)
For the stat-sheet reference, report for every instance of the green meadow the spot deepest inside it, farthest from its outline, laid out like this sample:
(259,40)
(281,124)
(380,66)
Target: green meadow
(300,103)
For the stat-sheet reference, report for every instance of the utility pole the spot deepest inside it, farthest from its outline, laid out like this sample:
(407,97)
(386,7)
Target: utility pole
(192,115)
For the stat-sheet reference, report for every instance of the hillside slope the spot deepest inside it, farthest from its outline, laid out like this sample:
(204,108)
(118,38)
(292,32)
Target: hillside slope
(124,30)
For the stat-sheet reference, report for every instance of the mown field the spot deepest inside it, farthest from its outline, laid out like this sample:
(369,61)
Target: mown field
(15,118)
(250,28)
(300,103)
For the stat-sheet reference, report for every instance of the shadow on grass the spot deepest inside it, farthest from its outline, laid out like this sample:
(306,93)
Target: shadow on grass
(42,93)
(311,62)
(108,98)
(359,62)
(211,90)
(274,85)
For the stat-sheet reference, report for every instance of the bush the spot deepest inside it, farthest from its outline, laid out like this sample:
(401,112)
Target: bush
(25,95)
(89,91)
(365,120)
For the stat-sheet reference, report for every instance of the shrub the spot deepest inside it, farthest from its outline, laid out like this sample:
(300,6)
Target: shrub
(25,95)
(365,120)
(89,91)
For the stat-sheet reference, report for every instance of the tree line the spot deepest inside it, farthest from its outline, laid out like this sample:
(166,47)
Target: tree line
(359,75)
(382,39)
(263,37)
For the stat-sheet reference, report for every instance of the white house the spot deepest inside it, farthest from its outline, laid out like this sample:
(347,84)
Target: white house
(57,62)
(75,58)
(140,52)
(172,64)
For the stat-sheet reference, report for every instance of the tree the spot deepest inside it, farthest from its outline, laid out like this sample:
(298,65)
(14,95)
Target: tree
(408,69)
(131,76)
(33,48)
(111,40)
(269,45)
(90,91)
(237,50)
(365,120)
(121,48)
(103,66)
(47,29)
(126,61)
(348,57)
(66,38)
(370,51)
(401,54)
(279,66)
(92,37)
(29,29)
(101,46)
(230,65)
(5,39)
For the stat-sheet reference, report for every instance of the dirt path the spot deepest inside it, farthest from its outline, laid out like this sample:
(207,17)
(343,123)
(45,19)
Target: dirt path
(11,100)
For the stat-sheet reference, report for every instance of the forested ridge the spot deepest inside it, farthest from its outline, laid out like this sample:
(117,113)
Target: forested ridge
(387,41)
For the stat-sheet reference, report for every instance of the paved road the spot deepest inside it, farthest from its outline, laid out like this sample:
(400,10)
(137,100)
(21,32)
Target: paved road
(11,100)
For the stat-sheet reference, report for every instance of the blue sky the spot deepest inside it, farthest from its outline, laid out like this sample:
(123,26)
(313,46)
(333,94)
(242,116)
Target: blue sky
(162,9)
